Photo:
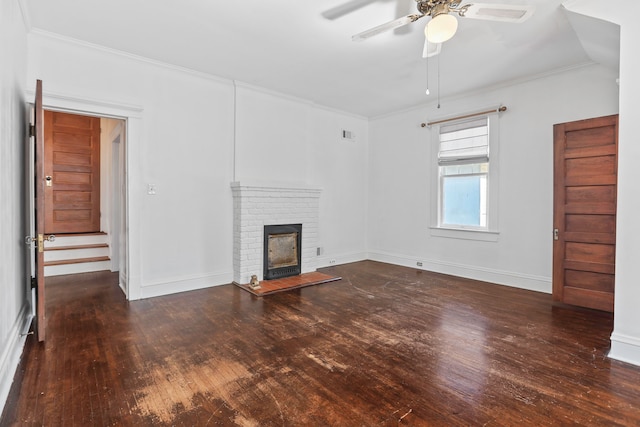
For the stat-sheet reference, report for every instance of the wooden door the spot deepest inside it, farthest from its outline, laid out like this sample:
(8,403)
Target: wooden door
(38,133)
(585,181)
(72,169)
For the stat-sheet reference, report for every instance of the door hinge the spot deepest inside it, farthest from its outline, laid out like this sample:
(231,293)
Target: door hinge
(32,130)
(34,283)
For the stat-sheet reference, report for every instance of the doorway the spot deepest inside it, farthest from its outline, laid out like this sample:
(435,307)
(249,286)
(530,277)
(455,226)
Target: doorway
(84,166)
(130,118)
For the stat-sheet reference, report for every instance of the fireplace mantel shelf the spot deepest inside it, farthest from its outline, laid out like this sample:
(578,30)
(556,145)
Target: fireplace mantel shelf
(270,186)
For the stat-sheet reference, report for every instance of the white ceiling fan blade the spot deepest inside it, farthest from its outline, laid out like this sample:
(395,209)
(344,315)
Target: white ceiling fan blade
(397,23)
(515,13)
(345,8)
(431,49)
(404,7)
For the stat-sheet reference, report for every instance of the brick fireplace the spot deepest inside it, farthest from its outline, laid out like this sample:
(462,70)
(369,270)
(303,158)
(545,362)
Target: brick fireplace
(257,205)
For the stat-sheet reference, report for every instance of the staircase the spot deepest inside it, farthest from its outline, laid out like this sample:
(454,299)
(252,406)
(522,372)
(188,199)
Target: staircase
(76,253)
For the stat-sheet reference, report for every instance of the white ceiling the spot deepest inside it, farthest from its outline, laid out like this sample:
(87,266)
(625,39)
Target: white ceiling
(287,46)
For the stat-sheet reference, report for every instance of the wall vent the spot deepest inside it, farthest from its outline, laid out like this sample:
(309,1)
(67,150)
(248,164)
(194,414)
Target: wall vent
(348,135)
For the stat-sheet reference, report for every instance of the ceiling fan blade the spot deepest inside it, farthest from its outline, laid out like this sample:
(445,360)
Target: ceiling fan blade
(397,23)
(431,49)
(404,7)
(345,8)
(515,13)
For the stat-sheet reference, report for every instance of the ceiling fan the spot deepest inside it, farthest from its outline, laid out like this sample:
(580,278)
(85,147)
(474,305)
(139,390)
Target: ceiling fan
(443,24)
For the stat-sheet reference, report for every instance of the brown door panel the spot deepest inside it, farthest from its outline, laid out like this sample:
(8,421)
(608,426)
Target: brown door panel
(585,188)
(72,160)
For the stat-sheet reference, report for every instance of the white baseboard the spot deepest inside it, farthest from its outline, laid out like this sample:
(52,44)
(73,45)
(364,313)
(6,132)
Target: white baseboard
(500,277)
(625,348)
(184,284)
(12,351)
(331,260)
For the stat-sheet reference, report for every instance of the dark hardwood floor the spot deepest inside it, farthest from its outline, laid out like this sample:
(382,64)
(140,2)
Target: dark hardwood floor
(386,346)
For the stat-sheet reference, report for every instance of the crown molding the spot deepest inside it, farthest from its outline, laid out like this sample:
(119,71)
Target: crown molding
(490,88)
(26,18)
(128,55)
(199,74)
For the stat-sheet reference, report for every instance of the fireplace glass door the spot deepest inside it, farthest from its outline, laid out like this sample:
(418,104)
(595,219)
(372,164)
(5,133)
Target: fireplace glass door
(282,250)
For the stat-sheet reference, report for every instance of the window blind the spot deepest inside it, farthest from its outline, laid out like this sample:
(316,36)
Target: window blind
(464,142)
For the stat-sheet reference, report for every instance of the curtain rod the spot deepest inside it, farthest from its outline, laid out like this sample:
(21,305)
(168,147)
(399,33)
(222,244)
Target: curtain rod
(500,109)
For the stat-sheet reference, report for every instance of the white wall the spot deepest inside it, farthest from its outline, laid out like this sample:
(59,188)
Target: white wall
(196,134)
(284,140)
(340,167)
(625,340)
(14,297)
(401,173)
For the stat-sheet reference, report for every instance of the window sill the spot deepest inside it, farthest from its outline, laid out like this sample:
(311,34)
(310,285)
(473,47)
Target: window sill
(457,233)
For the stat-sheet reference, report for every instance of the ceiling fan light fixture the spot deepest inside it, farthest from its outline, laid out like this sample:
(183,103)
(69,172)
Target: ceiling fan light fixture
(441,28)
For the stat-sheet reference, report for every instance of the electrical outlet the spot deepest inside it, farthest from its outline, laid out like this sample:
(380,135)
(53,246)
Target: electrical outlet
(332,261)
(419,263)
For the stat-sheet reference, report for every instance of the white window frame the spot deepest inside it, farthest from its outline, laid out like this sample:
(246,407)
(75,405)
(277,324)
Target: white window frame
(490,232)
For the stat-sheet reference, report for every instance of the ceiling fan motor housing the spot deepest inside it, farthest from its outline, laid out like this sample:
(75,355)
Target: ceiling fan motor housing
(434,8)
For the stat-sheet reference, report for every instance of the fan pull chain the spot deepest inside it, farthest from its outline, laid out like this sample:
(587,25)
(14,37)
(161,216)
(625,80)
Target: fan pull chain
(427,91)
(438,81)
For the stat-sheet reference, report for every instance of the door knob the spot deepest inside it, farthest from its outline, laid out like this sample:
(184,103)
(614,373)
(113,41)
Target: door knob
(28,240)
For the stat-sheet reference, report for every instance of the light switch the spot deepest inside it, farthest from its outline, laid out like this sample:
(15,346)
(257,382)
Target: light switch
(151,189)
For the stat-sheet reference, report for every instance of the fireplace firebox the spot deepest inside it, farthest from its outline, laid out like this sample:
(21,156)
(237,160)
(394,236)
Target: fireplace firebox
(282,251)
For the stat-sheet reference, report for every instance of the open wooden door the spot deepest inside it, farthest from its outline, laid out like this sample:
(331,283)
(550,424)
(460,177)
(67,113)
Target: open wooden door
(585,190)
(40,184)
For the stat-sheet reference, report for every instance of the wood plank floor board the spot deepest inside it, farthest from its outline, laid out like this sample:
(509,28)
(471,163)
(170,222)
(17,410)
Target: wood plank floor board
(384,343)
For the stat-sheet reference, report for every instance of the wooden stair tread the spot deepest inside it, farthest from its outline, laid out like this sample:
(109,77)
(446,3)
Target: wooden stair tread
(62,248)
(77,261)
(93,233)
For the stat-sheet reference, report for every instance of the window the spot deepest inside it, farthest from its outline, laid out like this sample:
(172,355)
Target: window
(466,176)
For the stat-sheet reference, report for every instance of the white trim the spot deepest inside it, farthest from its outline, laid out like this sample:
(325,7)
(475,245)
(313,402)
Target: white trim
(185,284)
(345,258)
(499,277)
(10,356)
(457,233)
(104,108)
(625,348)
